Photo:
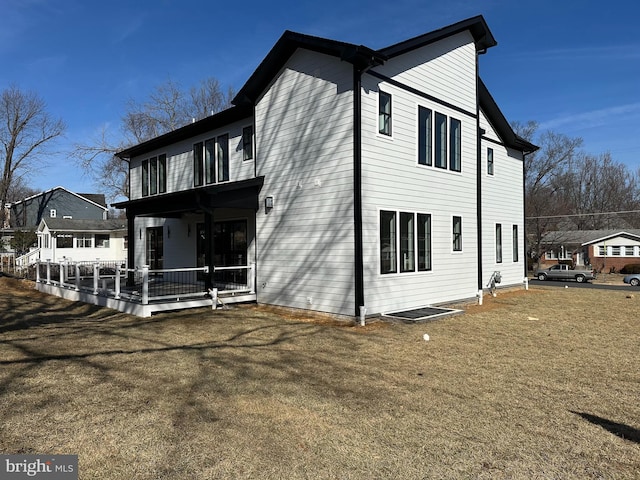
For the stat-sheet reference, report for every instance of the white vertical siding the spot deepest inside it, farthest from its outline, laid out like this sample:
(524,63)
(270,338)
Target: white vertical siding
(393,180)
(304,145)
(503,203)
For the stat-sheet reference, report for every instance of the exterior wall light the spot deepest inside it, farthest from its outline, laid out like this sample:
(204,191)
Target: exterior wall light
(268,203)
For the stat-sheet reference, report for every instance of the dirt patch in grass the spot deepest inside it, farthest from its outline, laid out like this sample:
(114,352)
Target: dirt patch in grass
(537,384)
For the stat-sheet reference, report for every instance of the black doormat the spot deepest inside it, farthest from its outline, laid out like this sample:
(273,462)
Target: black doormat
(422,314)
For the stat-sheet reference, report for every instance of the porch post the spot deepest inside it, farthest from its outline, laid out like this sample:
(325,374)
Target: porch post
(131,248)
(209,248)
(117,282)
(96,270)
(77,276)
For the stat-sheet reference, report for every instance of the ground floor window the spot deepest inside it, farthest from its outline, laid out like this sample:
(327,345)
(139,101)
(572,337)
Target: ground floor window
(411,248)
(64,241)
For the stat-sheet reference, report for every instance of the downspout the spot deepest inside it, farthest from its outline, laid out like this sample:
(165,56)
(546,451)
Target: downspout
(357,192)
(479,176)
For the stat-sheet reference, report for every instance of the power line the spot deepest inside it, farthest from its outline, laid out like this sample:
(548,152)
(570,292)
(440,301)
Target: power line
(581,214)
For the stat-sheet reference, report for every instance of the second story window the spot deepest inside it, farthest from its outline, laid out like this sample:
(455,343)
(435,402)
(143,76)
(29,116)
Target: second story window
(211,161)
(441,140)
(424,136)
(384,113)
(455,145)
(154,175)
(490,161)
(247,143)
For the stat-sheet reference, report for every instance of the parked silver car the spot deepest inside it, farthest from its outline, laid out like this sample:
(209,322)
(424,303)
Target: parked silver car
(633,279)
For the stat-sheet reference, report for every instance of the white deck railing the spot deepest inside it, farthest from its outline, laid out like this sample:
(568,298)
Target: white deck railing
(141,284)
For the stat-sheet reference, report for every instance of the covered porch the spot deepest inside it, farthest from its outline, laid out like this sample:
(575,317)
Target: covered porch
(210,229)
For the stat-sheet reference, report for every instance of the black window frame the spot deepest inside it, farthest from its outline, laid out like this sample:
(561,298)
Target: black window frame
(425,136)
(490,161)
(455,145)
(440,159)
(456,231)
(145,177)
(498,231)
(198,165)
(247,143)
(514,243)
(385,117)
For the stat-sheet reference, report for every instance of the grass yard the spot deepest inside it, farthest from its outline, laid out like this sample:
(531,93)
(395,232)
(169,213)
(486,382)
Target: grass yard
(538,384)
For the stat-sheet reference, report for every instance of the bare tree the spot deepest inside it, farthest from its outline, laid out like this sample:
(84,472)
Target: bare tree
(167,108)
(595,186)
(545,170)
(26,130)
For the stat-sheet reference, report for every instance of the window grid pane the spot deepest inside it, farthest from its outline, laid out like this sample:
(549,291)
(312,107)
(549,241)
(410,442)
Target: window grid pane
(384,113)
(145,178)
(247,143)
(210,161)
(498,243)
(162,173)
(490,161)
(198,173)
(153,175)
(407,245)
(455,145)
(223,158)
(457,234)
(441,141)
(424,136)
(388,242)
(424,242)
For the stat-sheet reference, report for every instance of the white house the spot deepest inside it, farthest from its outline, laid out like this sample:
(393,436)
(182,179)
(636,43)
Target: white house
(349,177)
(82,240)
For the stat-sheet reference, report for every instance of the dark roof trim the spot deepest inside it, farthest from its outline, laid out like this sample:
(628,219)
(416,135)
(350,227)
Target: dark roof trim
(489,106)
(358,55)
(212,122)
(168,204)
(477,26)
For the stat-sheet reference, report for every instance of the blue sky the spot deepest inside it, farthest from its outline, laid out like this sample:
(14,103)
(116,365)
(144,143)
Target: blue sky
(573,66)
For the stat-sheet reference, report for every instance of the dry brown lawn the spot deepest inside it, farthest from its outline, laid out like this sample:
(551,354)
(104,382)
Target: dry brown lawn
(537,384)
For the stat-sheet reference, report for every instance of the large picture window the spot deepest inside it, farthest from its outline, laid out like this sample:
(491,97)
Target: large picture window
(211,161)
(439,140)
(411,248)
(154,175)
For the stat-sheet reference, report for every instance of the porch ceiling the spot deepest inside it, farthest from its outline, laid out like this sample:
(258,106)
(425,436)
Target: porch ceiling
(242,194)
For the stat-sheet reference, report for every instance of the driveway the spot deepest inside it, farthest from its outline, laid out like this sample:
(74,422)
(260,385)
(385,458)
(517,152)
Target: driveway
(607,281)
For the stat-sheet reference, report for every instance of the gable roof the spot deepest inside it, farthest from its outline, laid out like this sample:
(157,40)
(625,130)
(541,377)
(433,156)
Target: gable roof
(586,237)
(86,226)
(360,56)
(477,26)
(97,199)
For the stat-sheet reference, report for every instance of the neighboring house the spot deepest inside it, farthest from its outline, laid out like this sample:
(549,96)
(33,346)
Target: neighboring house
(386,179)
(82,240)
(57,202)
(605,250)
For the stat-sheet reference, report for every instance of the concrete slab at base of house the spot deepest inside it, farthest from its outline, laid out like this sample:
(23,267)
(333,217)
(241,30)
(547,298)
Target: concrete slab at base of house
(423,314)
(135,308)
